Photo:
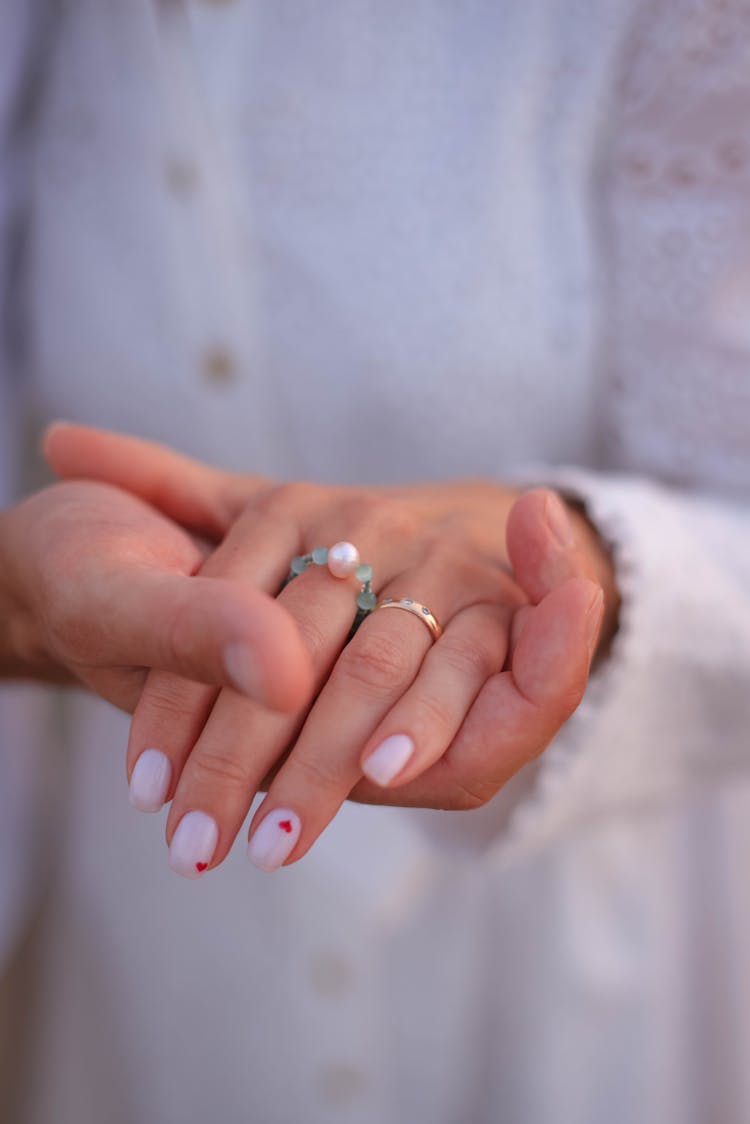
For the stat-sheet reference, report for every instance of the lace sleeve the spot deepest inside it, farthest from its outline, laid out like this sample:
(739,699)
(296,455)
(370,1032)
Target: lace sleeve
(672,207)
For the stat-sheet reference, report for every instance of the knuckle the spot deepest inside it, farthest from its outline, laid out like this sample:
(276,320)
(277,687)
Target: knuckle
(290,498)
(313,637)
(166,697)
(465,658)
(474,794)
(279,503)
(550,705)
(177,643)
(473,782)
(381,516)
(440,551)
(314,773)
(360,508)
(452,566)
(216,768)
(376,662)
(396,520)
(468,572)
(437,711)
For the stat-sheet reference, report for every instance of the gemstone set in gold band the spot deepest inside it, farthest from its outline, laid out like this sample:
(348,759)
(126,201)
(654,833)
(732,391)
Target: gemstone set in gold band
(419,610)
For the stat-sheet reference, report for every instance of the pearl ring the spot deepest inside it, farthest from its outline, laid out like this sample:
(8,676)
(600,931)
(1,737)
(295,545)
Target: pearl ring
(342,560)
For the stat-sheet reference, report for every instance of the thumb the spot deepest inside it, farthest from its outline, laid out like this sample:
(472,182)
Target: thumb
(210,630)
(199,497)
(549,544)
(545,546)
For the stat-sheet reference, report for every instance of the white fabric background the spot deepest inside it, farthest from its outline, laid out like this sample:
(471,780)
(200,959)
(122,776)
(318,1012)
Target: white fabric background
(277,236)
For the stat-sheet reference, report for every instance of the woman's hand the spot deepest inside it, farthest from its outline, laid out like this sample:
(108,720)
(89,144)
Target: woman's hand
(96,587)
(447,723)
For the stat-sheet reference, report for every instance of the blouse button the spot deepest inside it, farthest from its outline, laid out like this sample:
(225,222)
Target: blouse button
(331,975)
(732,155)
(218,367)
(638,167)
(181,176)
(682,171)
(340,1084)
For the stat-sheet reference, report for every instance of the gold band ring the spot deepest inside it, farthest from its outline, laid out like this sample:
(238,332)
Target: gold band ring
(418,610)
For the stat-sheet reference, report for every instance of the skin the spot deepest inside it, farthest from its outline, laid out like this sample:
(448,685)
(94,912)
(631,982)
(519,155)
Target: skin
(96,587)
(524,615)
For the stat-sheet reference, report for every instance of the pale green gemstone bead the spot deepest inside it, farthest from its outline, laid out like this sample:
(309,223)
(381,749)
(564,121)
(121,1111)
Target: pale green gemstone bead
(363,573)
(320,555)
(366,601)
(299,564)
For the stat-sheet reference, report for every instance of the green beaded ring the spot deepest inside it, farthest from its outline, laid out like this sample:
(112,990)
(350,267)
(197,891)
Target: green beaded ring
(342,559)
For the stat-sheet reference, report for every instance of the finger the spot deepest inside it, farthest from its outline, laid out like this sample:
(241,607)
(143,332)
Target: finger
(204,499)
(549,542)
(519,711)
(424,721)
(107,583)
(543,546)
(120,686)
(173,710)
(240,742)
(371,676)
(207,630)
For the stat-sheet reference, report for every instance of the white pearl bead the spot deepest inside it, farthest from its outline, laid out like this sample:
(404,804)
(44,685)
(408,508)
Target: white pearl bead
(343,559)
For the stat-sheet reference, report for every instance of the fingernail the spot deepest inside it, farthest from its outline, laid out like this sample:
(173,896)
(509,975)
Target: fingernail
(387,761)
(242,668)
(559,522)
(149,781)
(193,844)
(594,620)
(274,839)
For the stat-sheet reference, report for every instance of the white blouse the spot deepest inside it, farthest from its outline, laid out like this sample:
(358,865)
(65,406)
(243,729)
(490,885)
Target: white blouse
(384,241)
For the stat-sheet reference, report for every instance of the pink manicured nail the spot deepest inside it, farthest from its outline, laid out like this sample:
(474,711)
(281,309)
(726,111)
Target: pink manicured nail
(193,844)
(242,668)
(559,522)
(387,761)
(274,839)
(149,781)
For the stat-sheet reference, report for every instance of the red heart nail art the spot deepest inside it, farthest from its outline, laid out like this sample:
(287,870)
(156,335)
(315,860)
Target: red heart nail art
(286,825)
(201,866)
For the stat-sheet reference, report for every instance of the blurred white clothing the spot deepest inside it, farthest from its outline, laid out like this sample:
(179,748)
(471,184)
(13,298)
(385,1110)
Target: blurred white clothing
(379,242)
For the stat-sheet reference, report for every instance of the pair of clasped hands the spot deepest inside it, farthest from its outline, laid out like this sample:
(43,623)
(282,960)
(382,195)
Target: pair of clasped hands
(153,579)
